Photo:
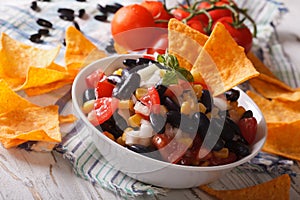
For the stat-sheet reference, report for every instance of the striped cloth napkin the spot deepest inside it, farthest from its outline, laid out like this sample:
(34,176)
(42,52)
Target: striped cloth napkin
(19,21)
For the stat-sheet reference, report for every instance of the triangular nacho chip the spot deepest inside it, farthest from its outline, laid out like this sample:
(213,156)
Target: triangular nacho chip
(222,63)
(31,124)
(9,100)
(184,42)
(278,188)
(16,58)
(274,89)
(276,111)
(79,50)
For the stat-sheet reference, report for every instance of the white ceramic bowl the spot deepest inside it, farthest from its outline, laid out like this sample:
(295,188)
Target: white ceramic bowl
(146,169)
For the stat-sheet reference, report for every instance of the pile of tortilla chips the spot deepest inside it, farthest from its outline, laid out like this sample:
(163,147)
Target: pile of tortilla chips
(217,60)
(278,188)
(280,105)
(24,67)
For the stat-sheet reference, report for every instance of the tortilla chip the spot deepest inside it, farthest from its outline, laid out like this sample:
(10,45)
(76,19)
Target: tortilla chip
(16,58)
(279,140)
(33,91)
(31,124)
(9,100)
(79,50)
(64,119)
(273,90)
(278,188)
(222,63)
(276,111)
(184,42)
(41,76)
(10,143)
(259,65)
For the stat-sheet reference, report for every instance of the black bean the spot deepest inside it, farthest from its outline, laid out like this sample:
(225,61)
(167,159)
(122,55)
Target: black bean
(101,8)
(66,11)
(43,22)
(229,130)
(188,125)
(76,25)
(129,63)
(66,17)
(141,61)
(101,18)
(81,13)
(219,145)
(36,38)
(158,122)
(239,148)
(112,8)
(207,100)
(43,31)
(203,123)
(247,114)
(125,89)
(88,94)
(170,104)
(64,42)
(111,127)
(34,6)
(174,118)
(161,89)
(120,121)
(114,79)
(232,95)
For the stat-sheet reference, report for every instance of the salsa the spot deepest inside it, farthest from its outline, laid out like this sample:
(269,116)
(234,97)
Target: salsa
(153,107)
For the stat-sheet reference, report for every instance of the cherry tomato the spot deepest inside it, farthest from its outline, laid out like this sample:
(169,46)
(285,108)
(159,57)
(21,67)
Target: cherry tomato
(217,13)
(248,127)
(92,79)
(104,88)
(104,108)
(158,11)
(160,45)
(171,150)
(197,25)
(130,27)
(241,35)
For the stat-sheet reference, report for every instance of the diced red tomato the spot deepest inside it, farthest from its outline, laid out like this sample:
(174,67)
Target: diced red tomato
(248,127)
(104,88)
(92,79)
(104,108)
(152,100)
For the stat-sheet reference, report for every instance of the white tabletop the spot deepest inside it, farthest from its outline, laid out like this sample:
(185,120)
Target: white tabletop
(32,175)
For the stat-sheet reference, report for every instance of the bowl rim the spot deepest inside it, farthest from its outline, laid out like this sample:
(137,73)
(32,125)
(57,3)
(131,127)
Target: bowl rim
(79,77)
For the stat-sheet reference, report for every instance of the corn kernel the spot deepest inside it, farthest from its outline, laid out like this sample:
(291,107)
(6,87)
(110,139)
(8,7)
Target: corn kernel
(140,92)
(135,120)
(88,106)
(205,163)
(118,72)
(120,140)
(233,104)
(163,110)
(208,115)
(126,104)
(198,90)
(109,135)
(223,153)
(162,72)
(240,111)
(186,140)
(201,107)
(185,108)
(215,112)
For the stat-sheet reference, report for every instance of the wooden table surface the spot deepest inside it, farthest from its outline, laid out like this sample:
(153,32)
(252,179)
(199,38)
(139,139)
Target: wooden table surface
(32,175)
